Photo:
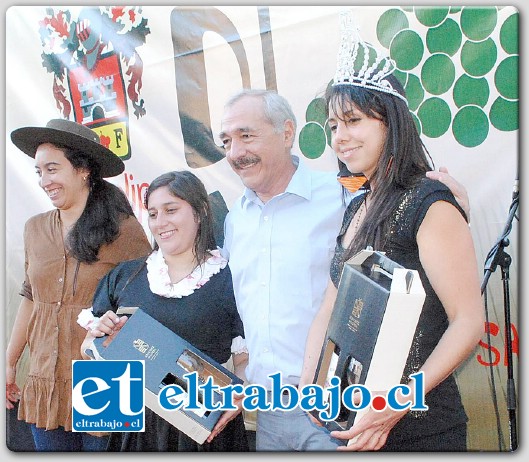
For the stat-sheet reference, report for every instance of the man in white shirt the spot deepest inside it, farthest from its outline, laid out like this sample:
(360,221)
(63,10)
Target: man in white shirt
(279,238)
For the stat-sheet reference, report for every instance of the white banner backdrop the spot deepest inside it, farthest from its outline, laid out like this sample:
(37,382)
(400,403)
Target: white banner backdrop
(173,67)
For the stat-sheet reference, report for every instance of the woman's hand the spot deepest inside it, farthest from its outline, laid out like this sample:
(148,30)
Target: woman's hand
(371,431)
(12,390)
(109,324)
(458,190)
(240,361)
(226,417)
(15,348)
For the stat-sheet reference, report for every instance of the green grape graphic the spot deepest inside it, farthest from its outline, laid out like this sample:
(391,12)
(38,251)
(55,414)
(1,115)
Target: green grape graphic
(470,116)
(414,92)
(478,23)
(312,137)
(452,62)
(445,38)
(389,24)
(431,16)
(438,74)
(478,58)
(506,78)
(509,35)
(407,49)
(312,140)
(459,67)
(504,114)
(470,90)
(434,115)
(401,76)
(316,111)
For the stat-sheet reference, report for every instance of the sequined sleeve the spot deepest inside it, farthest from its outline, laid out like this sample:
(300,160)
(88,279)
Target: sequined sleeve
(429,192)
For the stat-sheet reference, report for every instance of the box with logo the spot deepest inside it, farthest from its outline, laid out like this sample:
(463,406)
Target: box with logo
(371,327)
(167,358)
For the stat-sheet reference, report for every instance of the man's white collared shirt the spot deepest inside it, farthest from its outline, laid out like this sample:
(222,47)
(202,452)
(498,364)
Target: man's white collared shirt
(279,253)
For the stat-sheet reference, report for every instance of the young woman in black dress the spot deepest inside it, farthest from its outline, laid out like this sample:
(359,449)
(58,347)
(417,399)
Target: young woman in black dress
(186,285)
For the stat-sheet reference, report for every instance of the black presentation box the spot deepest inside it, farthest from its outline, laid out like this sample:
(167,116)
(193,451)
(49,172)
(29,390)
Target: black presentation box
(167,358)
(371,327)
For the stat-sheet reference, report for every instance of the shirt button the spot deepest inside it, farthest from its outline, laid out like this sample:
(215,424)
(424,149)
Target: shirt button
(265,218)
(60,279)
(265,350)
(58,303)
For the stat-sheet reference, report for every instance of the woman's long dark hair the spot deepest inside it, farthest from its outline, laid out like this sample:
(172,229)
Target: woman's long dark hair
(106,207)
(188,187)
(403,162)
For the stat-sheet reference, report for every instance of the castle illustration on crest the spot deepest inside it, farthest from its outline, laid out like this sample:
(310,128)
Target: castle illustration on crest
(98,99)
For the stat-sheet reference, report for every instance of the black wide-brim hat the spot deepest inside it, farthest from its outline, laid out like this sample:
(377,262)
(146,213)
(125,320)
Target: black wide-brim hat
(72,135)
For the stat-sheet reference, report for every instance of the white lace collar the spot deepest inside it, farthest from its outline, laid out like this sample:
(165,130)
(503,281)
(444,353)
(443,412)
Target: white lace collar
(160,283)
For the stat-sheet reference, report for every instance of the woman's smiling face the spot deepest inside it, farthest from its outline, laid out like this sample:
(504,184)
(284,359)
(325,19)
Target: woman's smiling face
(65,186)
(172,222)
(357,139)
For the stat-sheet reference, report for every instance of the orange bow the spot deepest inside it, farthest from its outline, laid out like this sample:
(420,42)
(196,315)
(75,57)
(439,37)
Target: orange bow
(352,183)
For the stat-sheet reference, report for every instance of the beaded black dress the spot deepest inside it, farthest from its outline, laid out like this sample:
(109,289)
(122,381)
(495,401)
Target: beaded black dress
(446,411)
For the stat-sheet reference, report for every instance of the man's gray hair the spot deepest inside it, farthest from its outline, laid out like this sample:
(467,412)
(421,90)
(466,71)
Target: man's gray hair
(277,109)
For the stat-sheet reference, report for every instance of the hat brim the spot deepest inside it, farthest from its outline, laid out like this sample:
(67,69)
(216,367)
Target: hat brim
(28,139)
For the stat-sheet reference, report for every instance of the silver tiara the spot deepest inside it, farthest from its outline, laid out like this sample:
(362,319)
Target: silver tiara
(359,63)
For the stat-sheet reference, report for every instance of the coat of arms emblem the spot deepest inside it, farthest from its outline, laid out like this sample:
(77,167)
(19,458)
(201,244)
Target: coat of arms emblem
(87,57)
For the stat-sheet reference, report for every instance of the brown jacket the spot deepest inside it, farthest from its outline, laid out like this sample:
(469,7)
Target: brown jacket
(60,288)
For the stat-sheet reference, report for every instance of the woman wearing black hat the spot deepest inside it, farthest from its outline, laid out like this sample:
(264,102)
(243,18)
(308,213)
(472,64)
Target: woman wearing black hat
(67,251)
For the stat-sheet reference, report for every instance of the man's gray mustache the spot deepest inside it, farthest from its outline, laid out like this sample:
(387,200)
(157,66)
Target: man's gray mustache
(243,162)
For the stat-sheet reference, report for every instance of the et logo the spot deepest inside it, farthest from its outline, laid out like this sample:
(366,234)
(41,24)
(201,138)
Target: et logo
(108,396)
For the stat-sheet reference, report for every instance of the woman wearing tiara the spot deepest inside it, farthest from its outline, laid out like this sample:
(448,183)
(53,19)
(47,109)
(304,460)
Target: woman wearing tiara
(417,223)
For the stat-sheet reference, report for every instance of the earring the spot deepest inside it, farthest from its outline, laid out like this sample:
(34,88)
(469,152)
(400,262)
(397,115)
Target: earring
(85,177)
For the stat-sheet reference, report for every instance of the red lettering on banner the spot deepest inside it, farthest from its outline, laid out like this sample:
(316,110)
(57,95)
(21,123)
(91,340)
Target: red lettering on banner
(135,193)
(493,329)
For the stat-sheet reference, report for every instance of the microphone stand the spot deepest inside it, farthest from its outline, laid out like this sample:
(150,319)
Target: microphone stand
(498,256)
